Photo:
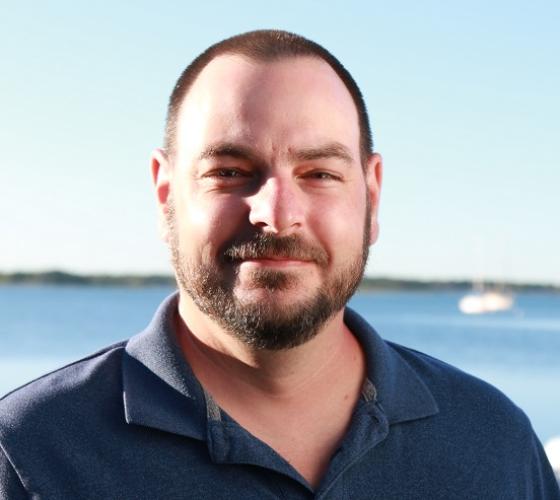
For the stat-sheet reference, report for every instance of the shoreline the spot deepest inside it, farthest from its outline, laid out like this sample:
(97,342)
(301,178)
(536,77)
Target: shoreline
(63,278)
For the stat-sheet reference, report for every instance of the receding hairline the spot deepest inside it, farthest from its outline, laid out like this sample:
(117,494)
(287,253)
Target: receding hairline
(266,46)
(284,58)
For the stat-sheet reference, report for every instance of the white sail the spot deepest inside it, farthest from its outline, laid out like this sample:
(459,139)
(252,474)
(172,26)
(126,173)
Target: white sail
(485,302)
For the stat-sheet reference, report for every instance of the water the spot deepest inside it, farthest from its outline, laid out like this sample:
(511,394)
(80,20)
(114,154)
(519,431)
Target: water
(44,327)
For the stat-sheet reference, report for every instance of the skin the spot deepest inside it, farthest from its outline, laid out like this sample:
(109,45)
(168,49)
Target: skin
(275,150)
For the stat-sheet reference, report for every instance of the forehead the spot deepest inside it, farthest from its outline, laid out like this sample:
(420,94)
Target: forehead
(293,102)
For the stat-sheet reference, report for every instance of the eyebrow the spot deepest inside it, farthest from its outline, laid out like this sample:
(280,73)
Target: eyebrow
(329,150)
(228,149)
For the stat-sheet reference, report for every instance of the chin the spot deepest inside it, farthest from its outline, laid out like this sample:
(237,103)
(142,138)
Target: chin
(273,298)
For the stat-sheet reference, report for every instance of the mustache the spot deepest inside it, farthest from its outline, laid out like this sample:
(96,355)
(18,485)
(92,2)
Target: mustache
(265,245)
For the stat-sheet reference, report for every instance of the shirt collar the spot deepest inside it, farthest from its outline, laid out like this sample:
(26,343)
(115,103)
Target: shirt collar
(399,390)
(161,391)
(159,388)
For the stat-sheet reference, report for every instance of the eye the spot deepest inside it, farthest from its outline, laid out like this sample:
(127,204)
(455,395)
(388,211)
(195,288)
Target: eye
(227,178)
(226,173)
(322,175)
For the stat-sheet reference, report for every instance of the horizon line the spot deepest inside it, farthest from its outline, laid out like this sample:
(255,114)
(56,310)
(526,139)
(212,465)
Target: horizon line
(463,281)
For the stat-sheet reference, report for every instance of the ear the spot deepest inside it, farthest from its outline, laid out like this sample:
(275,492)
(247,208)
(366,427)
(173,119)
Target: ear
(374,176)
(161,176)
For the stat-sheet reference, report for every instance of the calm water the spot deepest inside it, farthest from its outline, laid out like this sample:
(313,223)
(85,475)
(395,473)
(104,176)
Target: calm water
(43,327)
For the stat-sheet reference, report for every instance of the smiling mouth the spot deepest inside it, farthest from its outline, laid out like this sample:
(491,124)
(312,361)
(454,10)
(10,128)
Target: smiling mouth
(268,250)
(275,261)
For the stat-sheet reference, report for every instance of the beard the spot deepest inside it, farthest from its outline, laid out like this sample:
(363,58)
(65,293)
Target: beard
(265,323)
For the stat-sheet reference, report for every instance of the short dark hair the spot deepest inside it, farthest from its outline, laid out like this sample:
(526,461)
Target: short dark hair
(266,46)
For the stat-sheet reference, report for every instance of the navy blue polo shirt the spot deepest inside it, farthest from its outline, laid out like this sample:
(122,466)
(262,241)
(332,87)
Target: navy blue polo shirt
(133,422)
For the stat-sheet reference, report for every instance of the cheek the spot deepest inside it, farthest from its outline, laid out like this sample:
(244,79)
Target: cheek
(206,225)
(340,226)
(349,221)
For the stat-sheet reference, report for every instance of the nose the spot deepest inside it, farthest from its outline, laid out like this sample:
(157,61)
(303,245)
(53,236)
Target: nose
(276,206)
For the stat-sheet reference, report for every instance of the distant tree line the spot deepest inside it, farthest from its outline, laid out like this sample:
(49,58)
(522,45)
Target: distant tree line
(135,280)
(65,278)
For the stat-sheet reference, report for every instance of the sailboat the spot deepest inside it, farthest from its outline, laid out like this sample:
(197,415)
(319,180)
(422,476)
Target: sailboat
(484,300)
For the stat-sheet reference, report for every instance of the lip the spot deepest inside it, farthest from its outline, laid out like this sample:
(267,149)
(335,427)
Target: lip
(275,262)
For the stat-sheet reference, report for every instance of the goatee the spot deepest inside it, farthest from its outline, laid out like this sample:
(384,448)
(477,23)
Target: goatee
(264,323)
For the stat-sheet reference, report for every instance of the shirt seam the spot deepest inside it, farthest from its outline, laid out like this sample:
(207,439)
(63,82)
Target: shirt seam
(114,347)
(16,473)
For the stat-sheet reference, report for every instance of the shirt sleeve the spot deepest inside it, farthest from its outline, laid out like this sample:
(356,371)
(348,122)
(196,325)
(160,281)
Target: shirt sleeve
(10,484)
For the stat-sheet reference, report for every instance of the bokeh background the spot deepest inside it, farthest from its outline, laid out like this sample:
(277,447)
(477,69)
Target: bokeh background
(463,98)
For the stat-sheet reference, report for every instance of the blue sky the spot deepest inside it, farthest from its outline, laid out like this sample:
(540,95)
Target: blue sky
(464,101)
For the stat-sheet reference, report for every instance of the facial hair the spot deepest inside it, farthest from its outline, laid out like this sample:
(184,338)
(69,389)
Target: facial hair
(264,324)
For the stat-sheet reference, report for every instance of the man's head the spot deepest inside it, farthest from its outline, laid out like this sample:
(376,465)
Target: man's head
(266,46)
(267,201)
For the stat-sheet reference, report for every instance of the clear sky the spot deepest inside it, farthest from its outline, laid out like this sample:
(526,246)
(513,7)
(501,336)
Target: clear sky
(463,96)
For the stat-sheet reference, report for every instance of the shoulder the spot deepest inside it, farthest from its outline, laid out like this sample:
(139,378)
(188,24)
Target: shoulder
(64,392)
(469,408)
(451,384)
(405,377)
(480,429)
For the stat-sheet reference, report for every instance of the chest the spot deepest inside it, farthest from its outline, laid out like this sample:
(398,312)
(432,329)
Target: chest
(306,436)
(158,465)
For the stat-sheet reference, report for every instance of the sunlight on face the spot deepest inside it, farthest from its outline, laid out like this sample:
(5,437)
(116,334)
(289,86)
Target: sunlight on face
(269,218)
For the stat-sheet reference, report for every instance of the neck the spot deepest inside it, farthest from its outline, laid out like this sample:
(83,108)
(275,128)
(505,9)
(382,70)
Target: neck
(299,401)
(214,354)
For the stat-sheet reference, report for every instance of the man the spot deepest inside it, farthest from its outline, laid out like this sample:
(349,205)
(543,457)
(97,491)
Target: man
(255,381)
